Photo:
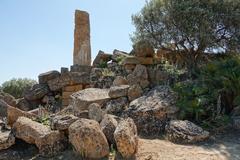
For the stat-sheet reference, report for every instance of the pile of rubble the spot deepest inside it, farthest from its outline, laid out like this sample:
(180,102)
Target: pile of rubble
(96,108)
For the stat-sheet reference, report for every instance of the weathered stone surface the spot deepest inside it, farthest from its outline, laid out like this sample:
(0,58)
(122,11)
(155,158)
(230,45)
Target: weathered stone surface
(151,111)
(83,114)
(62,122)
(118,91)
(143,49)
(70,78)
(73,88)
(134,92)
(108,126)
(139,76)
(38,91)
(64,70)
(95,112)
(3,108)
(119,80)
(117,106)
(48,99)
(100,78)
(179,131)
(2,124)
(9,99)
(39,111)
(48,142)
(137,60)
(24,105)
(80,68)
(117,54)
(126,138)
(82,47)
(129,68)
(88,139)
(101,58)
(82,99)
(7,139)
(45,77)
(157,76)
(14,113)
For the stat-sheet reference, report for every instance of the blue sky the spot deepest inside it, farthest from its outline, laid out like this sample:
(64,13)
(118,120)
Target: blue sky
(37,35)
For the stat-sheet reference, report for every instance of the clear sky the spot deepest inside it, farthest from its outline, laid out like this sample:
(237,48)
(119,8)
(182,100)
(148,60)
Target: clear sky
(37,35)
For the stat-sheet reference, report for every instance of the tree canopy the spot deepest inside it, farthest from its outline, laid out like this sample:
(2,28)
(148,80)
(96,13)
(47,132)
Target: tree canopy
(192,26)
(16,87)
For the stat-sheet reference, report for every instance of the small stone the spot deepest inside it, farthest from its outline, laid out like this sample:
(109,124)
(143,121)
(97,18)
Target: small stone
(118,55)
(134,92)
(118,91)
(108,126)
(119,80)
(3,108)
(48,142)
(95,112)
(82,99)
(126,138)
(143,49)
(137,60)
(45,77)
(88,139)
(14,113)
(101,58)
(151,111)
(117,106)
(7,139)
(64,70)
(62,122)
(24,105)
(139,76)
(67,79)
(179,131)
(9,99)
(38,91)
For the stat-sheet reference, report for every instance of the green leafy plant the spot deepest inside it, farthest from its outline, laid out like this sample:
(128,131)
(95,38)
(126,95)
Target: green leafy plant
(213,94)
(192,27)
(120,59)
(16,87)
(102,64)
(43,116)
(107,73)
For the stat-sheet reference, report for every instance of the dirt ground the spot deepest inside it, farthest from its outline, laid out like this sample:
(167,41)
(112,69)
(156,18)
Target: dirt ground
(221,147)
(224,146)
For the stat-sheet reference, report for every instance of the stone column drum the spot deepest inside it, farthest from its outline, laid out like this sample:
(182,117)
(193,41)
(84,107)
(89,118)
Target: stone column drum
(82,46)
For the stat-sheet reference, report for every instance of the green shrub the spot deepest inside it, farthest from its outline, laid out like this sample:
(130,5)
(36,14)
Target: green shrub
(16,87)
(107,73)
(120,59)
(214,93)
(102,64)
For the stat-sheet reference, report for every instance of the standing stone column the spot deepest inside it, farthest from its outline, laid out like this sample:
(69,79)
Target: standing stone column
(82,46)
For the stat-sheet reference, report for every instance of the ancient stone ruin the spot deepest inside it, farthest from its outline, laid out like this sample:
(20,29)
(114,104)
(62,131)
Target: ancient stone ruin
(82,46)
(97,107)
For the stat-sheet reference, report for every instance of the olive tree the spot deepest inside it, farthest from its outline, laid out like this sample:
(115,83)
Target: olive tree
(16,87)
(192,27)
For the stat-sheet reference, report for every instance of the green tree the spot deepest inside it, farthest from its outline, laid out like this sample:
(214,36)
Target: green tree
(16,87)
(192,27)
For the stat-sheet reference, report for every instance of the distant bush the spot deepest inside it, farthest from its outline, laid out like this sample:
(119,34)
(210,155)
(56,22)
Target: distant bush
(214,93)
(16,87)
